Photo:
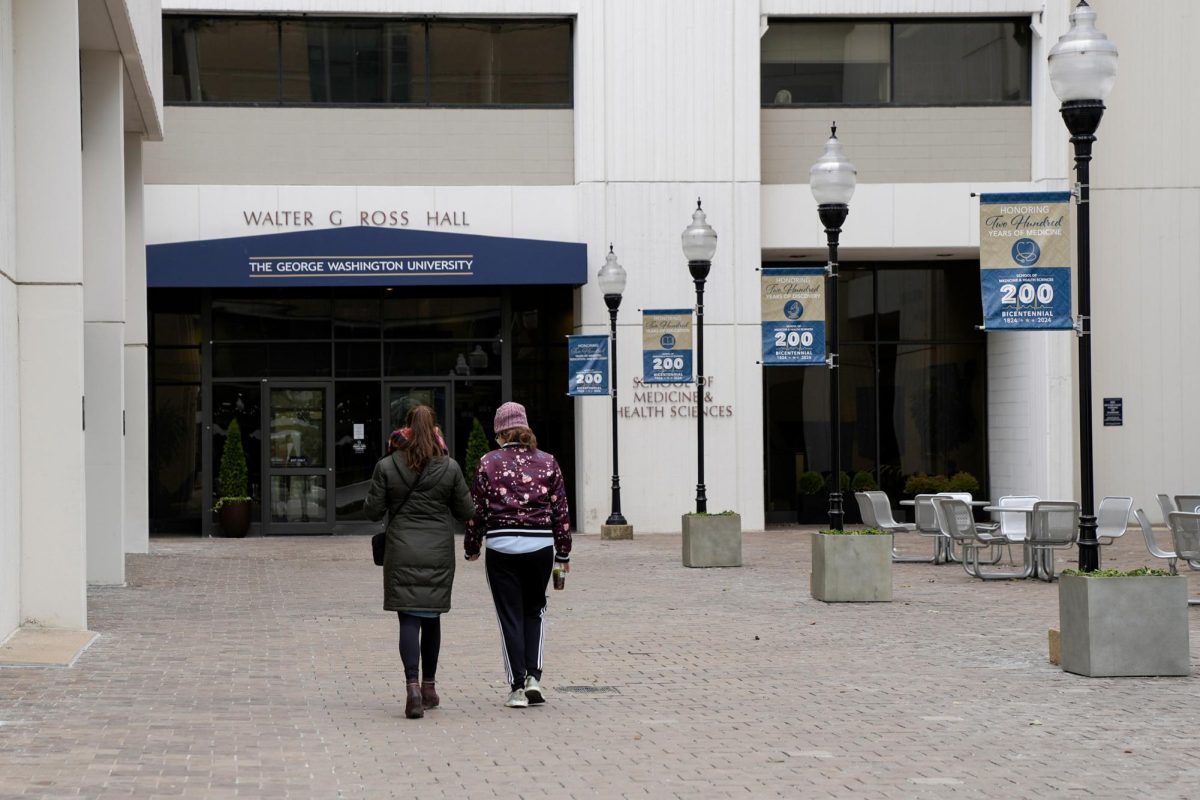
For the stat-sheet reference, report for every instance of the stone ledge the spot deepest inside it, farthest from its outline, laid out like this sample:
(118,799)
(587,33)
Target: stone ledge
(44,647)
(614,532)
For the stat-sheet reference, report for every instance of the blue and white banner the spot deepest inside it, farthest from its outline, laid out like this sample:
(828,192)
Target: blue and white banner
(667,345)
(793,316)
(1025,261)
(587,366)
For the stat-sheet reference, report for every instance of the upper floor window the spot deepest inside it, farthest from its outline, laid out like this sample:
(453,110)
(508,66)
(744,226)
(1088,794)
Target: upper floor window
(912,62)
(314,60)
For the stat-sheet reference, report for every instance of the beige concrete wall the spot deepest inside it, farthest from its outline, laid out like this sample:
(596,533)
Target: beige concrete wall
(902,145)
(363,147)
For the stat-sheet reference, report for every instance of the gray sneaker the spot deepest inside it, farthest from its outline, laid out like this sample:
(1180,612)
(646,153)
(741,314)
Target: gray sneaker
(516,699)
(533,691)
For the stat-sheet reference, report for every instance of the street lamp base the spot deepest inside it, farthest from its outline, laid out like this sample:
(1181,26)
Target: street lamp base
(611,532)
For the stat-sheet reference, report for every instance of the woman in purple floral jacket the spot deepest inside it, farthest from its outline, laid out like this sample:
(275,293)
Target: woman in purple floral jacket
(521,513)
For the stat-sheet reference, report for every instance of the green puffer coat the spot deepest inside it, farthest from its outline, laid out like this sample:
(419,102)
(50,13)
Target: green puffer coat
(418,565)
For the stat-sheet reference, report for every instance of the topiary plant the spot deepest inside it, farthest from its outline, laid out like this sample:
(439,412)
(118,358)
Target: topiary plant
(828,483)
(963,482)
(810,483)
(233,478)
(863,482)
(477,447)
(920,483)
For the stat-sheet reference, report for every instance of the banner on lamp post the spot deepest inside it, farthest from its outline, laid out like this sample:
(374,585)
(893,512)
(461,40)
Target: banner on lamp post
(1025,261)
(587,366)
(793,316)
(667,345)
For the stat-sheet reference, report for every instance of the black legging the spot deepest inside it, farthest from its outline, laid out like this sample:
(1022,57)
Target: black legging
(420,642)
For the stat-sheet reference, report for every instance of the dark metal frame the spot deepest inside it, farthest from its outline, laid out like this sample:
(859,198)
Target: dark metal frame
(1082,118)
(699,271)
(833,215)
(615,517)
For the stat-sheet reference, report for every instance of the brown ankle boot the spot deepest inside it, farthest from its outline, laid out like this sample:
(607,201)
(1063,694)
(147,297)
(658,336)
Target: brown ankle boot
(413,708)
(429,695)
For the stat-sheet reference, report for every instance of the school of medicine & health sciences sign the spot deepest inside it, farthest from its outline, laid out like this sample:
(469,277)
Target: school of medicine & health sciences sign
(365,256)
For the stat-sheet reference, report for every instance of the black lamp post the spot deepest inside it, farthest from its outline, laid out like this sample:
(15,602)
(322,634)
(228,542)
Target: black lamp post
(832,180)
(1083,68)
(612,284)
(699,244)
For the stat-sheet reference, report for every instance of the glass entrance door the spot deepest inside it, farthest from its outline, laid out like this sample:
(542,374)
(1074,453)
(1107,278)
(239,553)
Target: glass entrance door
(297,454)
(438,395)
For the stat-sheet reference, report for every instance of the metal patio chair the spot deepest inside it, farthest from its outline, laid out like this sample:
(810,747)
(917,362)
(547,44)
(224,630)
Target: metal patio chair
(1187,502)
(877,513)
(957,523)
(1185,530)
(926,521)
(1112,518)
(1143,521)
(1055,525)
(1166,505)
(1013,525)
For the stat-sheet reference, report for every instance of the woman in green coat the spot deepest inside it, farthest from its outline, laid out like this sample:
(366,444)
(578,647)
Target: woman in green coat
(420,488)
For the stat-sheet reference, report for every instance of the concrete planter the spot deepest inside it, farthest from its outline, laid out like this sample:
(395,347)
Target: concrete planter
(849,568)
(1124,626)
(712,541)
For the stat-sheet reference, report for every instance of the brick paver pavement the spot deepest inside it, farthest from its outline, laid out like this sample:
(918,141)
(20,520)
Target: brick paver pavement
(265,668)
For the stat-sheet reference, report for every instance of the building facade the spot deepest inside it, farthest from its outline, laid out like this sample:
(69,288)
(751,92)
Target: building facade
(364,204)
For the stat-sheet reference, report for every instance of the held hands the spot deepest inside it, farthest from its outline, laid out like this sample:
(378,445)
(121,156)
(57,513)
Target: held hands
(473,557)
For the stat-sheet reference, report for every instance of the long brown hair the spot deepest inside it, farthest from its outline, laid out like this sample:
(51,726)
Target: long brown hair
(523,436)
(421,446)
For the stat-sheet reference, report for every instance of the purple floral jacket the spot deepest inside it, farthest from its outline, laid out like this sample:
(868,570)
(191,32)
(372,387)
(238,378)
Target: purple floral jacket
(515,489)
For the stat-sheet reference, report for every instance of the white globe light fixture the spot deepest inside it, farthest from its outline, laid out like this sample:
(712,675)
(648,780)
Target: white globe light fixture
(611,276)
(832,178)
(1083,63)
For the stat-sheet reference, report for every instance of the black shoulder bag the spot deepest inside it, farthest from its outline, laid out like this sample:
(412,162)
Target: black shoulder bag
(379,540)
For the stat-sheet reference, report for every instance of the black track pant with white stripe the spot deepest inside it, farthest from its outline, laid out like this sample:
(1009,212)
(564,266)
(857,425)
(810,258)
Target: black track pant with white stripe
(518,583)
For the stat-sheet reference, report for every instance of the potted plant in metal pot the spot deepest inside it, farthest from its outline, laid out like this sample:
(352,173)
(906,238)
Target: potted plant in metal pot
(852,566)
(233,502)
(1123,623)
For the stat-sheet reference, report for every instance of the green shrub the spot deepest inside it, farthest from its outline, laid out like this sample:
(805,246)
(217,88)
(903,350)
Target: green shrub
(810,483)
(1119,573)
(963,482)
(862,532)
(477,448)
(863,482)
(233,477)
(829,482)
(920,483)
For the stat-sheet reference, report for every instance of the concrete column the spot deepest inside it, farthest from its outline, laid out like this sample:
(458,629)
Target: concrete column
(137,416)
(104,313)
(49,255)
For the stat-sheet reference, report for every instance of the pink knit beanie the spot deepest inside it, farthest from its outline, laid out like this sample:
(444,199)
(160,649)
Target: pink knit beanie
(510,415)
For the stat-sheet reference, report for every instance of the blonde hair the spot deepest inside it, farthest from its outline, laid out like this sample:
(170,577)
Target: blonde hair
(523,436)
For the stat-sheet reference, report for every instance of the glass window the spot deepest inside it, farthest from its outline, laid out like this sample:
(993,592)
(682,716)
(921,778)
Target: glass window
(220,60)
(259,316)
(356,317)
(942,63)
(176,479)
(366,60)
(913,390)
(441,316)
(462,359)
(356,359)
(353,61)
(483,63)
(240,401)
(177,365)
(826,63)
(912,63)
(356,411)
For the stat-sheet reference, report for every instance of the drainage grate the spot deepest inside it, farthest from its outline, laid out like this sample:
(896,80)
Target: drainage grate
(587,689)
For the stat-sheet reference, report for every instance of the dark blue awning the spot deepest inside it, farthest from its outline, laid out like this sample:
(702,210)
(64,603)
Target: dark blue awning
(365,256)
